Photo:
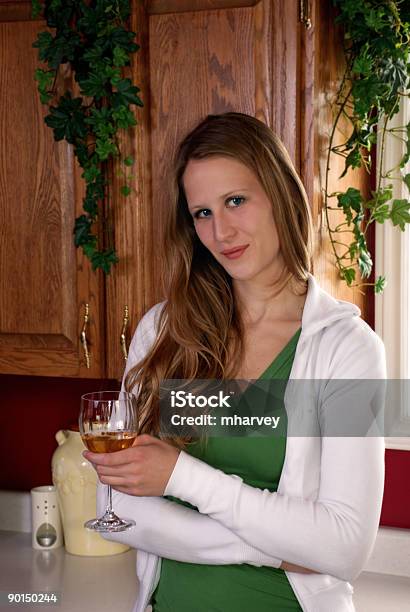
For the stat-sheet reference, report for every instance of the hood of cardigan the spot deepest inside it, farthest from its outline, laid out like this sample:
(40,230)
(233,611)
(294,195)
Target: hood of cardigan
(322,310)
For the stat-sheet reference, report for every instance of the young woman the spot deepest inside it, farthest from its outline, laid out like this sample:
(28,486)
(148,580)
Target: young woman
(245,523)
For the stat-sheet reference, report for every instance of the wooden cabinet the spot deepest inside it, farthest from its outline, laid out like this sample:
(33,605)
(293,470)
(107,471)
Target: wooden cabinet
(197,57)
(44,282)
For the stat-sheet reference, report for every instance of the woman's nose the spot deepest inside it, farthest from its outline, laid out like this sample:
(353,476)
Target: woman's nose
(223,228)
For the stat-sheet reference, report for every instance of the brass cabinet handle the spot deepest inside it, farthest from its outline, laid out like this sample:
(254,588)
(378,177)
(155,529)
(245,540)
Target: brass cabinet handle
(123,340)
(83,337)
(304,13)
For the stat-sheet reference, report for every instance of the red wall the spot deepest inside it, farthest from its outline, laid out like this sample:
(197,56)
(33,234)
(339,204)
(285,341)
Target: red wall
(396,500)
(33,409)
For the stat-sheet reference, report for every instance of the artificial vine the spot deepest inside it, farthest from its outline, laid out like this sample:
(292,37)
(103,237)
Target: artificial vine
(377,75)
(93,37)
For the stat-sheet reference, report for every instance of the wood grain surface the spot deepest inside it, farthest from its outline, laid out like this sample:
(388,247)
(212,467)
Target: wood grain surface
(43,281)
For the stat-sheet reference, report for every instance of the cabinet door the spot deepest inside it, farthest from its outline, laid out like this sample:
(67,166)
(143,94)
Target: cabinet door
(44,283)
(197,57)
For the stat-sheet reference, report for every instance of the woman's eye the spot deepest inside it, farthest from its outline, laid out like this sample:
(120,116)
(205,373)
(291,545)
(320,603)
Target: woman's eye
(204,213)
(237,200)
(200,214)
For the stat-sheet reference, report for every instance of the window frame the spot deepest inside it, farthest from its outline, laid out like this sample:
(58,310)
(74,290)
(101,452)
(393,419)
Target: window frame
(392,307)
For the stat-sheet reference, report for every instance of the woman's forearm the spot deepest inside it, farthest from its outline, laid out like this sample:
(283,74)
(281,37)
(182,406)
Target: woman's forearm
(173,531)
(330,535)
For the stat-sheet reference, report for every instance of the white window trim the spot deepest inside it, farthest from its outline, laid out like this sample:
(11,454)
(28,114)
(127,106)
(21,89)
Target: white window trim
(392,307)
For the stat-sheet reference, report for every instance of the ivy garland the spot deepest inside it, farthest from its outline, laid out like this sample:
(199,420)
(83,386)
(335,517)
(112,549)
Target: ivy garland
(377,76)
(92,36)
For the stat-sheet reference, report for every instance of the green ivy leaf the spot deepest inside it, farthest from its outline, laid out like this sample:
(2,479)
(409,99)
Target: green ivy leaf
(104,260)
(115,77)
(378,205)
(126,94)
(394,71)
(90,248)
(95,85)
(124,117)
(353,250)
(380,284)
(81,152)
(90,205)
(375,19)
(43,42)
(350,201)
(104,147)
(94,56)
(59,13)
(406,179)
(129,161)
(120,57)
(91,173)
(365,263)
(82,230)
(353,160)
(399,213)
(121,39)
(44,78)
(363,63)
(349,275)
(384,194)
(36,8)
(67,119)
(95,190)
(357,232)
(125,190)
(364,92)
(59,49)
(102,122)
(382,213)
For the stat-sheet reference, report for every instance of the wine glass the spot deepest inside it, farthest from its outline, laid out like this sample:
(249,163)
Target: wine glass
(108,423)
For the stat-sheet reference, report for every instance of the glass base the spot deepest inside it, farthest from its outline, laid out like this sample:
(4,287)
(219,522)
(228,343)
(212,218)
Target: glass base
(109,523)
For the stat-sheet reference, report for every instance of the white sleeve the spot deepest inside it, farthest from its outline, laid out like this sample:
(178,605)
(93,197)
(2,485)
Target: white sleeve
(173,531)
(166,528)
(333,534)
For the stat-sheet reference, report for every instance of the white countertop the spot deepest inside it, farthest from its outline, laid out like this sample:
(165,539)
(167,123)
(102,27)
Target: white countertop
(104,584)
(92,584)
(381,593)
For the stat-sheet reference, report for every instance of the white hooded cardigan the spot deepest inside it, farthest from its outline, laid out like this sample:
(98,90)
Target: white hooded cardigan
(326,511)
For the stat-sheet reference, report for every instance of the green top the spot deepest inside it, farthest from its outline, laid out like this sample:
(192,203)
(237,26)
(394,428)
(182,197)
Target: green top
(184,587)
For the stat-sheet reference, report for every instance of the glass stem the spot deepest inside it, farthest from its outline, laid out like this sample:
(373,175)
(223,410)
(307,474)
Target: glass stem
(109,507)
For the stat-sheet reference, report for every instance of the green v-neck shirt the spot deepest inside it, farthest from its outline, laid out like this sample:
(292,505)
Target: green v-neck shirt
(184,587)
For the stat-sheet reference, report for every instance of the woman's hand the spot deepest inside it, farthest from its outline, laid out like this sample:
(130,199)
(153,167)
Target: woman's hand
(143,469)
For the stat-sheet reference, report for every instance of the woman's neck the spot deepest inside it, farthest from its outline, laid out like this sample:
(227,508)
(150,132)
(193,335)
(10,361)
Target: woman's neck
(258,304)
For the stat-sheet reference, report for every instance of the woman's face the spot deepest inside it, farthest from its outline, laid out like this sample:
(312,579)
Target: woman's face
(232,211)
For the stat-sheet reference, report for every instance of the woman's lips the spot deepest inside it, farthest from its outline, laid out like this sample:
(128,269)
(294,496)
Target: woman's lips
(235,253)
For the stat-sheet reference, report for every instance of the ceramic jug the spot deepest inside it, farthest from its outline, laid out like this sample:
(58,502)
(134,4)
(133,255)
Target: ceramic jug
(76,483)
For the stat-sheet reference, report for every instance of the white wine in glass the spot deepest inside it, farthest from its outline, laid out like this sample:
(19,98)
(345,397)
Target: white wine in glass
(108,423)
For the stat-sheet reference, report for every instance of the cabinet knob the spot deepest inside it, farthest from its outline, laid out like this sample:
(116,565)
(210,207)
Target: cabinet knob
(83,337)
(123,340)
(304,13)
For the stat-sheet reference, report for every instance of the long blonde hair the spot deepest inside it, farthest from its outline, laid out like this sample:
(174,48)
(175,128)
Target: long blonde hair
(201,332)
